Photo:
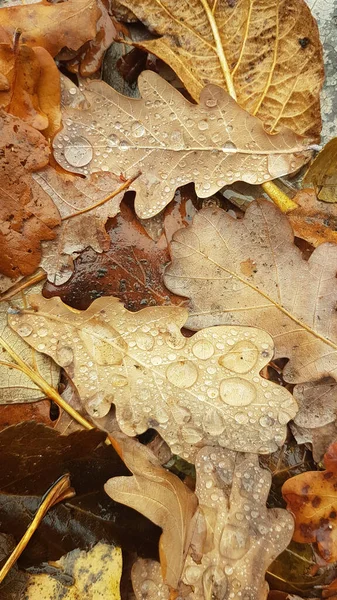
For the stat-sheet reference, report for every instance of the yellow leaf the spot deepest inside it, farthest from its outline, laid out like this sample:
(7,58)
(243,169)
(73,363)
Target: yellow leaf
(323,173)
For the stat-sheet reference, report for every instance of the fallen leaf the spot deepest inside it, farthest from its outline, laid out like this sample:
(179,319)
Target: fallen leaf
(27,214)
(172,142)
(33,457)
(53,26)
(293,299)
(322,173)
(83,215)
(193,391)
(267,54)
(313,221)
(234,537)
(312,498)
(15,582)
(93,574)
(131,268)
(316,421)
(16,386)
(12,414)
(161,497)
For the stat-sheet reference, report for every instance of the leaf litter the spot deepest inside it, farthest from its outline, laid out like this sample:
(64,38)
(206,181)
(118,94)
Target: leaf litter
(232,364)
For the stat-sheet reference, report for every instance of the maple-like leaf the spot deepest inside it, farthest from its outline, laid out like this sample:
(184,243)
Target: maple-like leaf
(131,268)
(322,174)
(231,539)
(312,498)
(250,272)
(161,497)
(267,54)
(16,386)
(170,141)
(193,391)
(27,214)
(83,213)
(53,26)
(93,574)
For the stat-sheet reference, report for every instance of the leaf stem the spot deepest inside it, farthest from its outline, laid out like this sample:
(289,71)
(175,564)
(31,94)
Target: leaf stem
(60,490)
(279,198)
(45,387)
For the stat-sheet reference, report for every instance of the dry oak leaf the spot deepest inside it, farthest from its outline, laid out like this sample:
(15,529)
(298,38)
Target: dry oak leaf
(15,386)
(83,216)
(27,214)
(322,173)
(53,26)
(33,92)
(312,498)
(172,142)
(158,495)
(132,268)
(314,221)
(266,53)
(193,391)
(232,536)
(316,420)
(293,299)
(93,574)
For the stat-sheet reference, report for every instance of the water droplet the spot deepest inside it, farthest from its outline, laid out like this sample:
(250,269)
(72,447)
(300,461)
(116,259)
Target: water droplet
(181,414)
(24,330)
(182,374)
(177,140)
(73,91)
(237,392)
(192,574)
(144,342)
(64,355)
(266,421)
(228,146)
(156,360)
(203,349)
(211,102)
(124,145)
(161,415)
(283,417)
(41,347)
(189,123)
(149,588)
(191,435)
(213,423)
(234,542)
(78,152)
(137,129)
(241,358)
(112,140)
(98,405)
(119,381)
(203,125)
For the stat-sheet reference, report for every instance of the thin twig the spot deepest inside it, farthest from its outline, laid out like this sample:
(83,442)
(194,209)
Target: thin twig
(27,282)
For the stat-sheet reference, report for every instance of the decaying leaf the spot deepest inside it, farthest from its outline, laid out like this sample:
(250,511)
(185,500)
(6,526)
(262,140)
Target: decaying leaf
(172,142)
(234,537)
(132,268)
(81,226)
(90,575)
(268,54)
(316,421)
(12,414)
(161,497)
(33,457)
(15,386)
(323,173)
(27,214)
(293,299)
(15,582)
(314,221)
(194,391)
(53,26)
(312,498)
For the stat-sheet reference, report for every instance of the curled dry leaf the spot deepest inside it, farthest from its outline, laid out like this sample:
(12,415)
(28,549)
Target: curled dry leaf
(53,26)
(15,385)
(313,220)
(232,537)
(83,215)
(292,298)
(132,268)
(323,173)
(193,391)
(267,54)
(172,142)
(27,214)
(316,421)
(161,497)
(312,498)
(90,575)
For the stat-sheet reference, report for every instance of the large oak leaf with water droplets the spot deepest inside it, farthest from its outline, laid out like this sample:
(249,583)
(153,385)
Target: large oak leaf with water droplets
(266,53)
(250,272)
(170,142)
(225,546)
(193,391)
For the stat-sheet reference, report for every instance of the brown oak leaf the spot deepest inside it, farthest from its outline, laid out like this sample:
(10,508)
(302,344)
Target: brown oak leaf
(322,173)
